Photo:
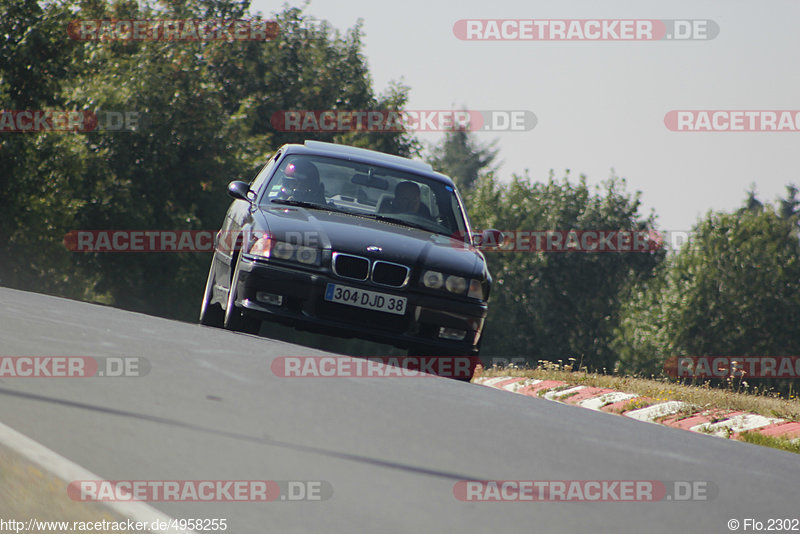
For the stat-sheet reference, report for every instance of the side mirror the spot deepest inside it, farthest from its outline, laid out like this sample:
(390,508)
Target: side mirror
(490,239)
(239,190)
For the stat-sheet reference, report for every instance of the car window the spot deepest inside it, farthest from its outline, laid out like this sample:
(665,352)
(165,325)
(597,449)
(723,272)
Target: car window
(263,174)
(368,190)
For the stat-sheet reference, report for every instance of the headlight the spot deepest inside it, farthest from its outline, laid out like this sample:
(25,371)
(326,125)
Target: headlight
(283,251)
(432,279)
(308,255)
(475,289)
(269,247)
(262,246)
(456,284)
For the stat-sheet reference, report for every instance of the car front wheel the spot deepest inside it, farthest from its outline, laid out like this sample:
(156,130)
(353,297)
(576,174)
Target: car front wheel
(234,318)
(211,314)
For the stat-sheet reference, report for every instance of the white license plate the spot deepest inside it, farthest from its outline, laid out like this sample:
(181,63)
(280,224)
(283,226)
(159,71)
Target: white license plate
(361,298)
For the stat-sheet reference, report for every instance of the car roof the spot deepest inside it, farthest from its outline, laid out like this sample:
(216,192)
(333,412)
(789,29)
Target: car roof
(363,155)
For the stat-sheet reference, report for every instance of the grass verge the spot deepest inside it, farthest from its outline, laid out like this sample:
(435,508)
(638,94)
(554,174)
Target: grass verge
(770,441)
(26,492)
(702,397)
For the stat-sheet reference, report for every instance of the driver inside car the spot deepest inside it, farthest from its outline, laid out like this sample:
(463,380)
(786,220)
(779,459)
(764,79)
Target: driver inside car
(301,182)
(407,200)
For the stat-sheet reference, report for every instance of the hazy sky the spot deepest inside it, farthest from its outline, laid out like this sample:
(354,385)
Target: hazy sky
(601,104)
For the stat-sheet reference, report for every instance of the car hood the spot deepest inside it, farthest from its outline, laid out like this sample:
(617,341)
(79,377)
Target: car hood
(341,232)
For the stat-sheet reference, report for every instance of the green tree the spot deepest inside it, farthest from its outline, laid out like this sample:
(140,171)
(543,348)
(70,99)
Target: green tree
(788,207)
(752,203)
(41,173)
(557,305)
(462,158)
(732,290)
(206,108)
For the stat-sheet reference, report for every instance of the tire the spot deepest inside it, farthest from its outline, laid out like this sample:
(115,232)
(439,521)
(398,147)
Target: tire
(211,314)
(234,318)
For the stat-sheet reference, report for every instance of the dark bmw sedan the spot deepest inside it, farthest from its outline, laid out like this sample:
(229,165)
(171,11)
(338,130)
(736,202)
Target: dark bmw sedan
(353,243)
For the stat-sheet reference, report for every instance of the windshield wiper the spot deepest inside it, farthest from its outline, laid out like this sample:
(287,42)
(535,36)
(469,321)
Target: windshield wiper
(328,207)
(302,204)
(395,220)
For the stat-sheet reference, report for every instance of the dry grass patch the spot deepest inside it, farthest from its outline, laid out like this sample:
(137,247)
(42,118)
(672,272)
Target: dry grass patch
(28,492)
(771,441)
(703,397)
(633,404)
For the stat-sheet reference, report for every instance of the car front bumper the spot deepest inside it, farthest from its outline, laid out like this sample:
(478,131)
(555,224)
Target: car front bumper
(303,305)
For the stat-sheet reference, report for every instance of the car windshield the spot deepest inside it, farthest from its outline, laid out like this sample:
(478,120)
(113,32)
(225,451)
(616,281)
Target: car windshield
(367,190)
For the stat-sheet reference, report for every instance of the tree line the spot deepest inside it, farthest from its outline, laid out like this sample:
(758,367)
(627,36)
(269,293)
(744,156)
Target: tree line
(733,290)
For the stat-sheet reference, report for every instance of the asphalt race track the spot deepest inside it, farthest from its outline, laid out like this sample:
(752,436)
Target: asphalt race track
(391,448)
